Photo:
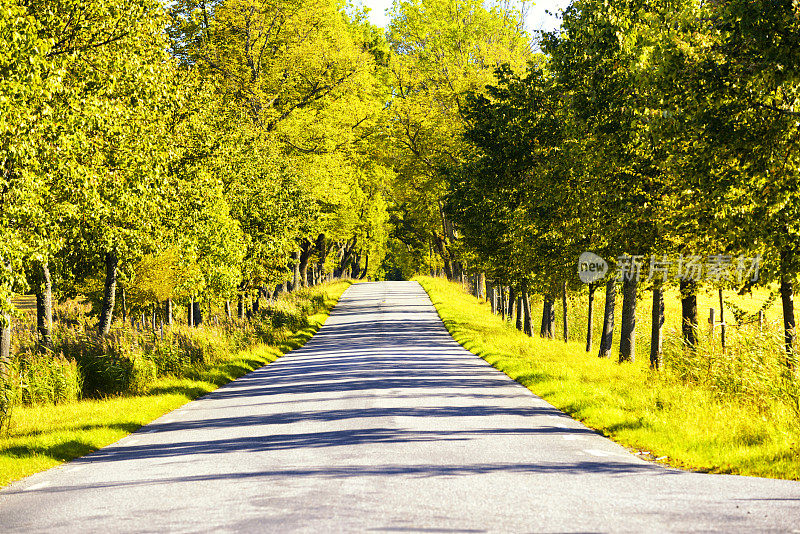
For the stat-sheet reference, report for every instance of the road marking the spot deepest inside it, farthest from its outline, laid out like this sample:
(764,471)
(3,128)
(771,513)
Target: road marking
(595,452)
(558,421)
(35,487)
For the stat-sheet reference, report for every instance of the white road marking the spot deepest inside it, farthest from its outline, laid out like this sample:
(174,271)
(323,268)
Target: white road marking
(596,452)
(35,487)
(558,423)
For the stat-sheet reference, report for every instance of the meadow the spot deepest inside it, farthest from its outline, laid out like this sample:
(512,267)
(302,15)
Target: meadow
(736,411)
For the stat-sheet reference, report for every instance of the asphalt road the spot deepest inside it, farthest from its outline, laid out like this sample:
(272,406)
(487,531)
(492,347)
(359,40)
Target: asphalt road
(382,423)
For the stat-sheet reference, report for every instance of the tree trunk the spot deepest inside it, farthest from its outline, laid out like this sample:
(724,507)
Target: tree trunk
(228,314)
(257,301)
(627,342)
(305,255)
(656,334)
(366,266)
(44,306)
(722,320)
(448,270)
(501,303)
(322,252)
(168,312)
(520,314)
(197,314)
(481,285)
(590,318)
(295,274)
(548,318)
(689,313)
(607,338)
(787,300)
(564,312)
(490,297)
(123,304)
(5,362)
(512,302)
(5,342)
(190,312)
(526,309)
(240,306)
(109,293)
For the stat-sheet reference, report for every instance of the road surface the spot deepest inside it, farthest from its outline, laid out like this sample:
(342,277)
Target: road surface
(382,423)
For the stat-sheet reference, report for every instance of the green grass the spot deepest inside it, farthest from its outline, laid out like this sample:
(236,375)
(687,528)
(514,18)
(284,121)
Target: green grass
(42,437)
(684,425)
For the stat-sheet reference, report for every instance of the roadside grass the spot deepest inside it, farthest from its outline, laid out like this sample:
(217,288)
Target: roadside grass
(655,414)
(44,436)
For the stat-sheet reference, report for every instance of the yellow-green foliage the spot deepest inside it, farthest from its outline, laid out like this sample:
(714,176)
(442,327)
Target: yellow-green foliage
(686,424)
(48,379)
(43,436)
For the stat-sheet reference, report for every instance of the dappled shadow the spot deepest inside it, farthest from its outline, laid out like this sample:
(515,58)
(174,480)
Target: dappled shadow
(72,427)
(59,451)
(289,417)
(612,468)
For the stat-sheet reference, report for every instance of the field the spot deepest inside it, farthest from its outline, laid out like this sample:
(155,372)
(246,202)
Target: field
(735,412)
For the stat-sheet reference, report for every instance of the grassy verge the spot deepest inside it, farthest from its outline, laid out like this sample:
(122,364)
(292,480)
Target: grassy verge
(44,436)
(655,413)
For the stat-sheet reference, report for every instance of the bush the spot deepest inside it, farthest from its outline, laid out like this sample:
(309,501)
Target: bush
(48,379)
(105,363)
(127,361)
(9,387)
(169,359)
(143,372)
(752,368)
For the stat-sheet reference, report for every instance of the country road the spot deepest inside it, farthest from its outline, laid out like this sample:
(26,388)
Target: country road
(382,423)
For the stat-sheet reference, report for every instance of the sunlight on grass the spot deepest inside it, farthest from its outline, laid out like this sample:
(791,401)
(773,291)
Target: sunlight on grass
(647,411)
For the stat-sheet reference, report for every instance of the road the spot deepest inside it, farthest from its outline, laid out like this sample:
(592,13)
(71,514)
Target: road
(382,423)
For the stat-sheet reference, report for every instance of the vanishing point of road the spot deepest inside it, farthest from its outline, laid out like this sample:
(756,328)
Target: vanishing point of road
(382,423)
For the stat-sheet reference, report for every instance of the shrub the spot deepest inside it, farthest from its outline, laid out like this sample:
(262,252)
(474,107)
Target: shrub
(9,387)
(143,373)
(48,379)
(169,358)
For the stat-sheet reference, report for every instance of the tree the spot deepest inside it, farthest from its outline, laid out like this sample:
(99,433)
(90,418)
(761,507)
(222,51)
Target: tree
(441,49)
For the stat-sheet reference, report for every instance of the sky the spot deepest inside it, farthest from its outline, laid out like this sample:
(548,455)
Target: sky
(537,18)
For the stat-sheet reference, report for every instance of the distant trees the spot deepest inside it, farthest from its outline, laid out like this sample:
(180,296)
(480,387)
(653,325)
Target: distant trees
(442,49)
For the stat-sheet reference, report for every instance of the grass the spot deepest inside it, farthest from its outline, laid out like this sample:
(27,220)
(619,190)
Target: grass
(44,436)
(657,414)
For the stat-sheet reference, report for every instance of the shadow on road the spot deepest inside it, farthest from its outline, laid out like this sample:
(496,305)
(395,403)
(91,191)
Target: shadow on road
(413,471)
